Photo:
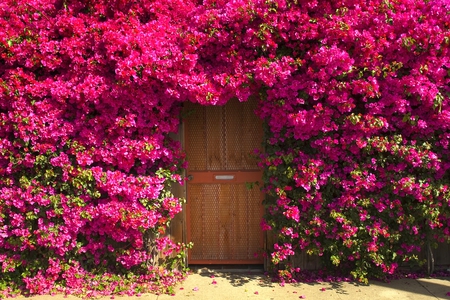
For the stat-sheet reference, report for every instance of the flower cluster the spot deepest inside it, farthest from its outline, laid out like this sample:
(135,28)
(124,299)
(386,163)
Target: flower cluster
(354,93)
(356,162)
(86,163)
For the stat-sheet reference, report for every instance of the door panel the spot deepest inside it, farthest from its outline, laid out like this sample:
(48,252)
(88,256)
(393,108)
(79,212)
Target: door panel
(223,214)
(222,137)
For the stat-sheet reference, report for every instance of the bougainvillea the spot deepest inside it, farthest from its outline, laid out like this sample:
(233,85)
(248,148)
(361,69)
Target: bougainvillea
(85,161)
(355,95)
(357,157)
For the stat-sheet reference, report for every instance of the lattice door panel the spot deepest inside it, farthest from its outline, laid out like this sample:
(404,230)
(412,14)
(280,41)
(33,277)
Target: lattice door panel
(223,222)
(223,214)
(223,137)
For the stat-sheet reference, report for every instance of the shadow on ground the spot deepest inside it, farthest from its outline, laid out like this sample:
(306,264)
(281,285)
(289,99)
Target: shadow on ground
(433,286)
(237,276)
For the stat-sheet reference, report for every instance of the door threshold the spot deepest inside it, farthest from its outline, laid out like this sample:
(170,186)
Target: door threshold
(198,269)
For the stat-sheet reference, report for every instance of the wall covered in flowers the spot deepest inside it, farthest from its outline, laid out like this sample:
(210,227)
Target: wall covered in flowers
(354,93)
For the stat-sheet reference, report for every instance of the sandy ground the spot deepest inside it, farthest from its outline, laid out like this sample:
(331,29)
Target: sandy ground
(208,284)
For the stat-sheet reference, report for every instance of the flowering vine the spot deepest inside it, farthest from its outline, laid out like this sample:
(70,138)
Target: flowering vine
(86,164)
(354,94)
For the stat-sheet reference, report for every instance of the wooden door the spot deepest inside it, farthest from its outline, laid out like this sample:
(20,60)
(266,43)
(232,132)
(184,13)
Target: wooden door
(224,211)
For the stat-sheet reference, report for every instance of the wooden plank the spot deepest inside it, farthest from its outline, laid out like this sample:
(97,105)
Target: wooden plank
(225,238)
(442,255)
(177,228)
(214,139)
(195,136)
(177,225)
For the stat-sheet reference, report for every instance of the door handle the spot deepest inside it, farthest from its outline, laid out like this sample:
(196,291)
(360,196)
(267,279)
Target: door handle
(224,177)
(190,177)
